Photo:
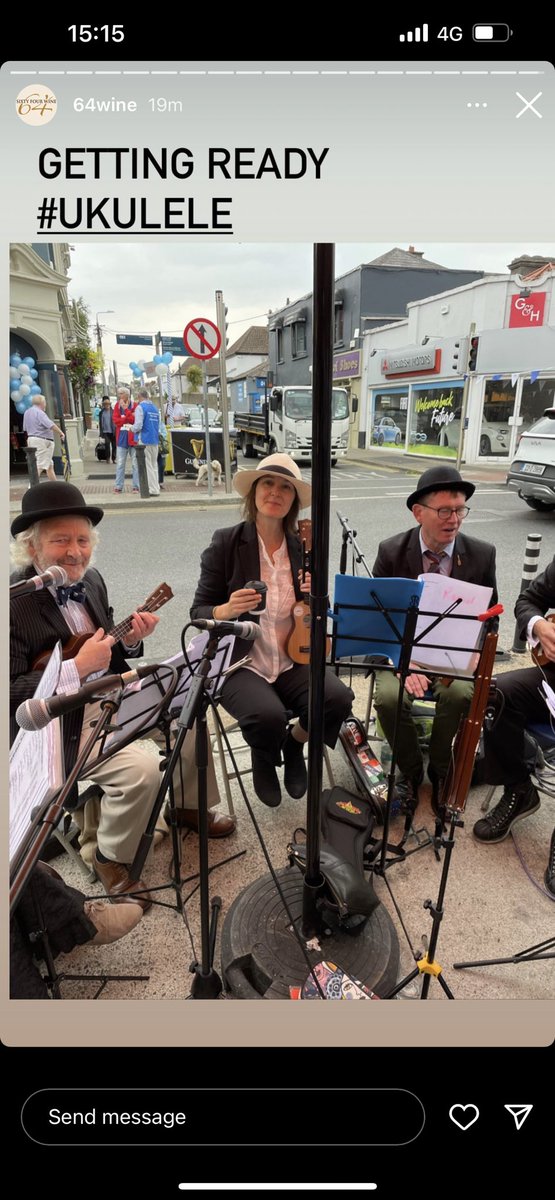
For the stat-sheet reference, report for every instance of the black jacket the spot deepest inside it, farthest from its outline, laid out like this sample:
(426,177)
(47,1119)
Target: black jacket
(230,561)
(536,599)
(401,557)
(36,624)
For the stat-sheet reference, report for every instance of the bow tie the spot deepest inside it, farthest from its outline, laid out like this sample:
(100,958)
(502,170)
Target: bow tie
(75,591)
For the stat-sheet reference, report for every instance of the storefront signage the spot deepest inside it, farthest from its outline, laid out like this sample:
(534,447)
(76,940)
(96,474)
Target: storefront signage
(411,362)
(527,311)
(345,365)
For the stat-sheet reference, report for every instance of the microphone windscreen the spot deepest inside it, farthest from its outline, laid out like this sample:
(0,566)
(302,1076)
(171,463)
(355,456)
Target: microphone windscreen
(32,715)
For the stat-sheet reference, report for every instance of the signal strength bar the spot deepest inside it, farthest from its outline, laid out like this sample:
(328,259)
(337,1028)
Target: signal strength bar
(416,35)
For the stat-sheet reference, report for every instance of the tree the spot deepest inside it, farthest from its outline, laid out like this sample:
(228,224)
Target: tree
(81,321)
(193,376)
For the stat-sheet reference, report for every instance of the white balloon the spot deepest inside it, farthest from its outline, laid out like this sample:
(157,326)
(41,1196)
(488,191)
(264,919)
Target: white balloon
(161,369)
(15,396)
(24,389)
(24,369)
(141,364)
(14,372)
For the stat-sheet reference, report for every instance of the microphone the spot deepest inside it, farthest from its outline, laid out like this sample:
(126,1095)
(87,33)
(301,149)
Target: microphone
(55,576)
(35,714)
(247,630)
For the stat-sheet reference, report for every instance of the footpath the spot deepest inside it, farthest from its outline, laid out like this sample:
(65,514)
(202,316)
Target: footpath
(97,484)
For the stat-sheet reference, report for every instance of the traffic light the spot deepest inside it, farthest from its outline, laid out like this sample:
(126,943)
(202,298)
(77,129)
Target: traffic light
(473,353)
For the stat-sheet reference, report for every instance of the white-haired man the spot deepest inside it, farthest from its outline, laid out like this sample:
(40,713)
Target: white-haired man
(40,430)
(57,527)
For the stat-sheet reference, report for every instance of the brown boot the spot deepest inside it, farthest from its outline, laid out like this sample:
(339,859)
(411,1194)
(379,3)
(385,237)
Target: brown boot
(117,882)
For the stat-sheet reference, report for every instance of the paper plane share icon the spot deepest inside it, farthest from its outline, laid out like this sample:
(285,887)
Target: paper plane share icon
(519,1112)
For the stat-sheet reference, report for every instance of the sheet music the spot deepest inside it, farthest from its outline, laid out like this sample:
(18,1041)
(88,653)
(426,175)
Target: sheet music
(36,761)
(434,652)
(141,701)
(361,627)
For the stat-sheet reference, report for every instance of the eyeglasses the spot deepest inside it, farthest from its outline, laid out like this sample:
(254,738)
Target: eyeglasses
(445,513)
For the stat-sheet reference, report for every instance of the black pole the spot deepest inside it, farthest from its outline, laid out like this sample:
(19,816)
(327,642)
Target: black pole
(322,380)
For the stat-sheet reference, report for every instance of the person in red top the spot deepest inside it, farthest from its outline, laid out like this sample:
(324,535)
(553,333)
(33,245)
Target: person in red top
(124,415)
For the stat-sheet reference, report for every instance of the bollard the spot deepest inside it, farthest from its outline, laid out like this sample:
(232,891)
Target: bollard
(529,572)
(31,452)
(141,468)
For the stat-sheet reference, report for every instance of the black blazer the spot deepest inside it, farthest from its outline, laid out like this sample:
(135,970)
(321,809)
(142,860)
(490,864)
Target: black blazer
(36,624)
(230,561)
(400,556)
(536,599)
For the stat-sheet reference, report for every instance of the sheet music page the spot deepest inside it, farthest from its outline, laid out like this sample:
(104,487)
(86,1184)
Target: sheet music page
(436,651)
(36,761)
(140,701)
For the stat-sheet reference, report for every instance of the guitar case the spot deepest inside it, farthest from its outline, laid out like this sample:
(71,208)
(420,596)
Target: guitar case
(367,769)
(347,822)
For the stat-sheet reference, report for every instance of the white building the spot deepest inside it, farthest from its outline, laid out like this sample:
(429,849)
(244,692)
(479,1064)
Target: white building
(417,374)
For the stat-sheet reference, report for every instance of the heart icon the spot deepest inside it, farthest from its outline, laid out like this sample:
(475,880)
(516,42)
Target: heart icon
(467,1114)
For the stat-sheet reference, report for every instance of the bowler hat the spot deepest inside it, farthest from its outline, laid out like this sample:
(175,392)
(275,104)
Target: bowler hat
(440,479)
(281,465)
(53,499)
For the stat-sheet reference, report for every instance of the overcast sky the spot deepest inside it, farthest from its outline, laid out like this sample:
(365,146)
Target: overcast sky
(155,286)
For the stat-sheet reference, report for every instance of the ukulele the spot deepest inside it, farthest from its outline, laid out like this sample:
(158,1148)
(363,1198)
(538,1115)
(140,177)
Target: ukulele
(157,599)
(298,646)
(538,655)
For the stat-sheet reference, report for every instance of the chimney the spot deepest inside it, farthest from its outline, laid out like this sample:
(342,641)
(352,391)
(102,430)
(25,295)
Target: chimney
(417,253)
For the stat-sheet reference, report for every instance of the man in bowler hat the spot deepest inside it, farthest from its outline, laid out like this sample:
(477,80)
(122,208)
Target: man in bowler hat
(435,545)
(57,527)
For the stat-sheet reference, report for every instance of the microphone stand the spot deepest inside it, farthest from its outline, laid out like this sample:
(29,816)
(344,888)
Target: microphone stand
(29,855)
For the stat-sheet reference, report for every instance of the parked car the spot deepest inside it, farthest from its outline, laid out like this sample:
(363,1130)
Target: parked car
(387,431)
(533,471)
(494,435)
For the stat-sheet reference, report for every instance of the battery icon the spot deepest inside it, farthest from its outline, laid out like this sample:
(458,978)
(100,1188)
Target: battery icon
(491,33)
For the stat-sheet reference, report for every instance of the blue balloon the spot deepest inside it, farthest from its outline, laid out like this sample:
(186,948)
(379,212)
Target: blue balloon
(167,358)
(157,359)
(27,401)
(34,374)
(35,390)
(137,372)
(30,362)
(15,360)
(15,385)
(20,407)
(132,366)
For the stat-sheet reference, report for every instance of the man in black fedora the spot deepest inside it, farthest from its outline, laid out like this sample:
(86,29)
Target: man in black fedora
(436,545)
(57,527)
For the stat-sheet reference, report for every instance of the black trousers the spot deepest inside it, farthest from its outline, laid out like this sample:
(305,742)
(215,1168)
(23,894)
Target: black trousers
(264,709)
(110,443)
(520,704)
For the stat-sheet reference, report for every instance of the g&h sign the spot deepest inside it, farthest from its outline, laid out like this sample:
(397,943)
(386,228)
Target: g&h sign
(527,311)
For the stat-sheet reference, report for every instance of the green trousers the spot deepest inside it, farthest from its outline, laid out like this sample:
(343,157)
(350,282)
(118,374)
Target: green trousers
(452,703)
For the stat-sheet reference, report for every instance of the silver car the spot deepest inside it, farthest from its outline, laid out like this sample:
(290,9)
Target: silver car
(533,471)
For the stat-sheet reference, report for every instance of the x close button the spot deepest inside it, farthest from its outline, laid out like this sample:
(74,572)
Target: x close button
(529,105)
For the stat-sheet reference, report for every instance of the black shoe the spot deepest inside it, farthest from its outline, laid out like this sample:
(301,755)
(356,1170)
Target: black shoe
(437,781)
(514,804)
(550,869)
(265,780)
(294,775)
(406,792)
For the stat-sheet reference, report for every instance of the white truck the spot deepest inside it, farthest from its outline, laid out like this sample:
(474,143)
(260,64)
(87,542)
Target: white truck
(285,424)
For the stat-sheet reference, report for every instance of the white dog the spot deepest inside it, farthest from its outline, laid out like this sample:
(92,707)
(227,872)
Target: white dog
(202,469)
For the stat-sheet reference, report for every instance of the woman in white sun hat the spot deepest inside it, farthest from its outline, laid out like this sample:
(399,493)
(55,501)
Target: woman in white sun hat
(262,697)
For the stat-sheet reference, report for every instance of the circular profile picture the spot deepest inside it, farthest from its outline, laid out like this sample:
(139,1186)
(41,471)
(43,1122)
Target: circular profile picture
(36,104)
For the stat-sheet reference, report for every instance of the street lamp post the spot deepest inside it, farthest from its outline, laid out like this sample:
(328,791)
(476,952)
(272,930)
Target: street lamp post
(103,312)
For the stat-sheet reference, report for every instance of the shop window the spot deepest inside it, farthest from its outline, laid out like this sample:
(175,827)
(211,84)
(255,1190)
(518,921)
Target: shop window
(279,345)
(495,431)
(536,397)
(435,422)
(338,325)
